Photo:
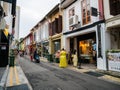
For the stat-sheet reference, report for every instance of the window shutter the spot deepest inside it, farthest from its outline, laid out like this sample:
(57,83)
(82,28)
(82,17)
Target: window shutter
(53,28)
(60,24)
(56,25)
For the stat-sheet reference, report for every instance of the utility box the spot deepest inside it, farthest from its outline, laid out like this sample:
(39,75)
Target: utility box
(50,59)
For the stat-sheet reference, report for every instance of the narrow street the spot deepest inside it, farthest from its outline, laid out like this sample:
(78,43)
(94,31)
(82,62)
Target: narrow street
(47,76)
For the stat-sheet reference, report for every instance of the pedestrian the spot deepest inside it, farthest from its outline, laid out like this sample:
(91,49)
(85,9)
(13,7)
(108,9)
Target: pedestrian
(57,56)
(75,59)
(70,57)
(31,53)
(36,56)
(94,52)
(63,60)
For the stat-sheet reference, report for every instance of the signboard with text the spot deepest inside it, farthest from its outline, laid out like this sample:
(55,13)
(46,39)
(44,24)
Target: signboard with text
(114,61)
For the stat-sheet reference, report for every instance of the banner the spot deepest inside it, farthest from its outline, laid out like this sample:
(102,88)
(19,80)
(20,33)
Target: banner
(114,61)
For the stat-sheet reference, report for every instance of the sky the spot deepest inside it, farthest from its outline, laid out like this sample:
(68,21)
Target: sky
(31,12)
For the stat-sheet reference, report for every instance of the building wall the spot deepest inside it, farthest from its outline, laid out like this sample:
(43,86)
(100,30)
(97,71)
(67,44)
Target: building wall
(77,6)
(54,29)
(107,9)
(101,60)
(17,23)
(44,31)
(110,19)
(78,12)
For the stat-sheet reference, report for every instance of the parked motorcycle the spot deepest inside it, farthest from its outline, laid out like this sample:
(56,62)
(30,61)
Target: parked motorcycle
(37,58)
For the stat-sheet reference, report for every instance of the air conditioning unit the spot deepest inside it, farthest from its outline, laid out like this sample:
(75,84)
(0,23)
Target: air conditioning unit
(73,20)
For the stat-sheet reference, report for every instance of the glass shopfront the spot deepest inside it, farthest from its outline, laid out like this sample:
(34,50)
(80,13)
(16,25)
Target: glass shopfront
(45,49)
(85,49)
(56,45)
(113,54)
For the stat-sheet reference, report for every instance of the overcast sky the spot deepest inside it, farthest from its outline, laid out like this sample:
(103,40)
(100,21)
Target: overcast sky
(31,12)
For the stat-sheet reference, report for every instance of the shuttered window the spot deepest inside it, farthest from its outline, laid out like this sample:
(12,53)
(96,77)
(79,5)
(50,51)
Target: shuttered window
(86,16)
(60,24)
(50,29)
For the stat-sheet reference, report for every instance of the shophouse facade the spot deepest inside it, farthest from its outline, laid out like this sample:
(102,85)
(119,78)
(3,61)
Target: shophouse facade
(43,37)
(46,34)
(26,44)
(83,22)
(112,34)
(55,29)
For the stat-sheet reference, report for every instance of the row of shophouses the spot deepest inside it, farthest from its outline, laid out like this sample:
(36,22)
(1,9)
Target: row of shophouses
(75,24)
(9,29)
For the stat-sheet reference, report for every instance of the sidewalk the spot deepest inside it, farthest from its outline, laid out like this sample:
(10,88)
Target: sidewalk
(2,70)
(13,78)
(100,74)
(17,80)
(3,76)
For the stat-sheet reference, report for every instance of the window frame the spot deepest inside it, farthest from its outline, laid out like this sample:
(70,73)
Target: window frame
(85,17)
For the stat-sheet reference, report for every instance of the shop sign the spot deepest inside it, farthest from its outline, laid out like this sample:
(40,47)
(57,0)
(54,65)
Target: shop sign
(114,61)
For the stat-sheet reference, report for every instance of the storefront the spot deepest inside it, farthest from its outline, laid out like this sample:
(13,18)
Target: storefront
(113,53)
(83,40)
(86,52)
(45,48)
(56,45)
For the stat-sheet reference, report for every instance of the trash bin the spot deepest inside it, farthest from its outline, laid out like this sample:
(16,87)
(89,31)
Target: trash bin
(57,60)
(12,61)
(50,59)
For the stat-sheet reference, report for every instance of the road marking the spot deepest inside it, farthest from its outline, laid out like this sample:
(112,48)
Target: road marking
(11,76)
(16,76)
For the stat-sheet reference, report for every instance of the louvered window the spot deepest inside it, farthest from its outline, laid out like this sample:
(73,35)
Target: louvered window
(86,16)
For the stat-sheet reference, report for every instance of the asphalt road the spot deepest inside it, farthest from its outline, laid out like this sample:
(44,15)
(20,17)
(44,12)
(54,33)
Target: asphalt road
(47,76)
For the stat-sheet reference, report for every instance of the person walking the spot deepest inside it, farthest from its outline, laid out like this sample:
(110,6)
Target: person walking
(75,59)
(31,53)
(57,56)
(94,53)
(70,57)
(36,56)
(63,60)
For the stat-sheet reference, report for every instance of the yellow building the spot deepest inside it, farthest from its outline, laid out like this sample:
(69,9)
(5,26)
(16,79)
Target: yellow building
(55,29)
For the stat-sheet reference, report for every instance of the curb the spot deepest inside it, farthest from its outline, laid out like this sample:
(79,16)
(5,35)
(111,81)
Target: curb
(16,79)
(4,79)
(111,73)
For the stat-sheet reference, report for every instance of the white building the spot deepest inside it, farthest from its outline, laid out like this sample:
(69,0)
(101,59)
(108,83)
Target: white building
(112,33)
(84,23)
(17,23)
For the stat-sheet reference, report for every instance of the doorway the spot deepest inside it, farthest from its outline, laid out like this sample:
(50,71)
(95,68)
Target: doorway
(85,48)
